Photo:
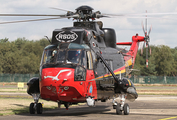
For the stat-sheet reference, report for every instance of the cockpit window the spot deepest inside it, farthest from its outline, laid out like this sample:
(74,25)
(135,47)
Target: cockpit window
(73,56)
(49,56)
(61,56)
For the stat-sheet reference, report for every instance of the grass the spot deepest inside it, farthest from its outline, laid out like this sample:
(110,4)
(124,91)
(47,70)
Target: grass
(18,105)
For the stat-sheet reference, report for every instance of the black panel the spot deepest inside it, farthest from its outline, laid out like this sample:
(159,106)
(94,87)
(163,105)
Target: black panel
(109,37)
(33,85)
(68,35)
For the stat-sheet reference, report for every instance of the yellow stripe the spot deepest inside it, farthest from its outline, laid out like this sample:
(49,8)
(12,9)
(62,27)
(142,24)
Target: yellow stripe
(121,71)
(169,118)
(116,73)
(129,82)
(128,63)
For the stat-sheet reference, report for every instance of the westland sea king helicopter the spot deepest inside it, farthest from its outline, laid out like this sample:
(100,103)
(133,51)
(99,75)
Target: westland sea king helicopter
(84,64)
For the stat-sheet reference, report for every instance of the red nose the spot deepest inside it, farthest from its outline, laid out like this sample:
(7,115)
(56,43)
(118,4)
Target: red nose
(57,84)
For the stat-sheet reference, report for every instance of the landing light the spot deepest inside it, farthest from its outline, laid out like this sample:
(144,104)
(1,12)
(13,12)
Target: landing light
(66,88)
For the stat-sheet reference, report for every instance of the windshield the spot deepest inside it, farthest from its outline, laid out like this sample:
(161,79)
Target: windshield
(73,56)
(61,56)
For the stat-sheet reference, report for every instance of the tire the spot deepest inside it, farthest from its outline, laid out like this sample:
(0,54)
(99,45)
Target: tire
(114,106)
(39,108)
(126,109)
(31,108)
(118,110)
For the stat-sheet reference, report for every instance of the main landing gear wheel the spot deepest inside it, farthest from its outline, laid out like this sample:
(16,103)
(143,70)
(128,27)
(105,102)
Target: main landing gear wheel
(118,109)
(126,109)
(122,106)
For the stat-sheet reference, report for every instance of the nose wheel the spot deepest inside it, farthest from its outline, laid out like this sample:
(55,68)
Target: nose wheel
(66,105)
(36,106)
(32,108)
(122,106)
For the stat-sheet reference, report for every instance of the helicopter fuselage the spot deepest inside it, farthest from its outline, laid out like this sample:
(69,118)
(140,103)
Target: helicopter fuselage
(71,70)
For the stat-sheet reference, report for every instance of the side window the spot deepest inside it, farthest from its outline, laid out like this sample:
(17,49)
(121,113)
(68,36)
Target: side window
(89,60)
(44,57)
(49,56)
(83,61)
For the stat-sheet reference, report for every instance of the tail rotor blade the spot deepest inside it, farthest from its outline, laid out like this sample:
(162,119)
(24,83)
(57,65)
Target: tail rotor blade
(142,50)
(144,45)
(150,30)
(143,28)
(146,55)
(146,22)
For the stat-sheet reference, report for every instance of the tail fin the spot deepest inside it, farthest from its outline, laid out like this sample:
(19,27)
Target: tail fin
(130,56)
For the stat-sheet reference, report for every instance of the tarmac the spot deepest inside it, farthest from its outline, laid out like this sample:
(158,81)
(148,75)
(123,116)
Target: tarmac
(146,107)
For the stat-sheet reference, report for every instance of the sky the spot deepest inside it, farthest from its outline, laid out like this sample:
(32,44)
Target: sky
(164,27)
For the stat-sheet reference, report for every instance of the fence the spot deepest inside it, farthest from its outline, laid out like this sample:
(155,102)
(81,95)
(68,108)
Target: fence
(154,79)
(135,79)
(16,77)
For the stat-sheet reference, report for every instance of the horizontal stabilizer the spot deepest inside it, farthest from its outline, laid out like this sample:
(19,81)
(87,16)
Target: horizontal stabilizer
(124,43)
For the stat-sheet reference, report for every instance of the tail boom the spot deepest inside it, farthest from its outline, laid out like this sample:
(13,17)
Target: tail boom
(131,54)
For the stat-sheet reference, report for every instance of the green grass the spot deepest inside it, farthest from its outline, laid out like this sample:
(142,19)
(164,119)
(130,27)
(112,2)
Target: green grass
(11,106)
(13,91)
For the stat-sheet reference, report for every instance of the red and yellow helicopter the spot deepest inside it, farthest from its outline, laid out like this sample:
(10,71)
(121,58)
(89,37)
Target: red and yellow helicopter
(84,64)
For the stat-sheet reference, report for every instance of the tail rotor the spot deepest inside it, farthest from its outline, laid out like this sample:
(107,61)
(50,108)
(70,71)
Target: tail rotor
(146,40)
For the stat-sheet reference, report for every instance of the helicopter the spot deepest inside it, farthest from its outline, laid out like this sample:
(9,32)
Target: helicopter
(83,64)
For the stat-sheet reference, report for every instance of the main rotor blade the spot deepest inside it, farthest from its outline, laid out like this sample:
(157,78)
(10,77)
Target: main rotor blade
(140,14)
(155,14)
(61,9)
(32,15)
(31,20)
(113,14)
(136,17)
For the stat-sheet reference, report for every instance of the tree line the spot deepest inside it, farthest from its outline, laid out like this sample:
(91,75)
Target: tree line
(161,62)
(23,56)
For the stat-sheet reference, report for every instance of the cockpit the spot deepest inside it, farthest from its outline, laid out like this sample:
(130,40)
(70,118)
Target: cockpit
(68,53)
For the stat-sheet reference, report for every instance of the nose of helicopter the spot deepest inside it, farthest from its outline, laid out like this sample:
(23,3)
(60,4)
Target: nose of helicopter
(58,84)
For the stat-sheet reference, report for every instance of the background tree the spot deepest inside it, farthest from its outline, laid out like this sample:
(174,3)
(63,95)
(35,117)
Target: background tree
(162,61)
(21,56)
